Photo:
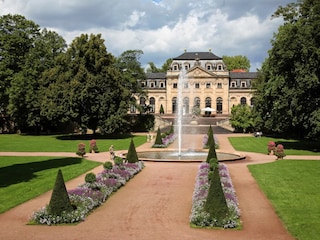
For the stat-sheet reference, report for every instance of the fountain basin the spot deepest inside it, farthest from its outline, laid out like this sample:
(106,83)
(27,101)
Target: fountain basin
(185,156)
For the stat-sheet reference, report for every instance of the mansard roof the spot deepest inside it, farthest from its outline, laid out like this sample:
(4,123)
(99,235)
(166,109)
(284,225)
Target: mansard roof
(159,75)
(199,55)
(243,75)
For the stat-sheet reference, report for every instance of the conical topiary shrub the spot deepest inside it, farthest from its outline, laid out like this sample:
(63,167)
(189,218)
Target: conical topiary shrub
(132,155)
(158,138)
(59,201)
(212,152)
(210,136)
(216,204)
(161,109)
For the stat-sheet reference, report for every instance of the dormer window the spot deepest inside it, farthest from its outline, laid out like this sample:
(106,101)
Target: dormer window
(233,84)
(162,85)
(219,67)
(243,84)
(175,67)
(152,84)
(208,67)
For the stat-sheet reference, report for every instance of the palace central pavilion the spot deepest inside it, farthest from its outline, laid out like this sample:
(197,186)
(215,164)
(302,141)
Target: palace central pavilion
(206,84)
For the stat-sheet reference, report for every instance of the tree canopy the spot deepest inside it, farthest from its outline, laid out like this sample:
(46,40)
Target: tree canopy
(287,96)
(44,83)
(164,68)
(236,62)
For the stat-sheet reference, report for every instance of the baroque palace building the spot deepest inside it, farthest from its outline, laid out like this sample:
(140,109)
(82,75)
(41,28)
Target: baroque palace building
(205,83)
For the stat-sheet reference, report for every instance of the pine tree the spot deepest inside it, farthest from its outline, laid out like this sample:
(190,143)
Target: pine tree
(59,201)
(216,204)
(132,155)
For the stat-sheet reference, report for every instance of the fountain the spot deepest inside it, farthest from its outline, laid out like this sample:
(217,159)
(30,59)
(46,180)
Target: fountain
(179,154)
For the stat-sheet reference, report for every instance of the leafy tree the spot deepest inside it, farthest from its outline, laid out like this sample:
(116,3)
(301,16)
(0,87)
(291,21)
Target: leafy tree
(242,118)
(164,68)
(236,62)
(25,53)
(129,65)
(59,201)
(287,96)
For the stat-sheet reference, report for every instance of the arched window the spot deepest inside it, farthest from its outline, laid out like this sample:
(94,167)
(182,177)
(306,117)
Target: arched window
(186,105)
(208,102)
(174,105)
(243,101)
(252,101)
(132,105)
(142,103)
(152,102)
(196,102)
(219,105)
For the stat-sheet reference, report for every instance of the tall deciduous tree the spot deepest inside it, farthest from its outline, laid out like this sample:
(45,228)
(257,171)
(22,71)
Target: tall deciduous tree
(242,118)
(287,96)
(25,53)
(236,62)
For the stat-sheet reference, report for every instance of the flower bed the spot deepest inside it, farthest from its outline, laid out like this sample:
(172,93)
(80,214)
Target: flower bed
(166,140)
(199,217)
(88,196)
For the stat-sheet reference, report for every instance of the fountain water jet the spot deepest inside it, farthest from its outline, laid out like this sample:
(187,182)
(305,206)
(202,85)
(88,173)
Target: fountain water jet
(179,155)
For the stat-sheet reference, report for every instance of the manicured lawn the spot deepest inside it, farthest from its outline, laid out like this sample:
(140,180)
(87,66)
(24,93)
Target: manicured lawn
(63,143)
(291,147)
(24,178)
(293,189)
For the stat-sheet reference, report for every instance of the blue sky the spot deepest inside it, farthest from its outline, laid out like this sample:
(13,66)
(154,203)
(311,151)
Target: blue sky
(162,29)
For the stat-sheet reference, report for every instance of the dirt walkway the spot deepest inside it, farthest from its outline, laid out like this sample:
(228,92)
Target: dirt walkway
(155,204)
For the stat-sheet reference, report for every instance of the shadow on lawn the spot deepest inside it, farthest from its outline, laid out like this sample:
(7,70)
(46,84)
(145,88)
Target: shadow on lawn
(93,136)
(312,146)
(24,172)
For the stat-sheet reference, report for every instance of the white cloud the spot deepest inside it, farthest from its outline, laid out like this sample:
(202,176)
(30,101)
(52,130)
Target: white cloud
(160,28)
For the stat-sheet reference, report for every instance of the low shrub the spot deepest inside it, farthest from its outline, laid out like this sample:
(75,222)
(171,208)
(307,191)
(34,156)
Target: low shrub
(81,149)
(90,177)
(118,160)
(107,165)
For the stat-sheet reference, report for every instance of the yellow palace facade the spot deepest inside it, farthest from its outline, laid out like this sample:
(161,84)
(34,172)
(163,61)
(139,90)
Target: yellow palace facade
(204,82)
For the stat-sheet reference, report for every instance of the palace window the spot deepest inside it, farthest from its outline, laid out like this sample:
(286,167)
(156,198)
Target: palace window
(197,85)
(219,105)
(175,85)
(152,84)
(152,102)
(243,84)
(219,85)
(162,85)
(233,84)
(243,101)
(208,85)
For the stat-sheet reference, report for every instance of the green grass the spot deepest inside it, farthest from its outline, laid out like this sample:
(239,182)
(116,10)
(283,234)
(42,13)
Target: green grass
(63,143)
(293,189)
(291,147)
(24,178)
